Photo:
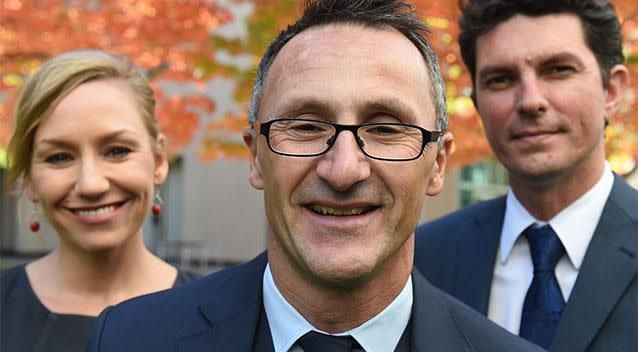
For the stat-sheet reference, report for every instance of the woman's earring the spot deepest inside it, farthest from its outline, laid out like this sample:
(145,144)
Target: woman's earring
(34,225)
(157,203)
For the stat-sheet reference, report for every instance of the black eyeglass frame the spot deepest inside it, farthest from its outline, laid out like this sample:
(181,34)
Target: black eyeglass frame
(428,136)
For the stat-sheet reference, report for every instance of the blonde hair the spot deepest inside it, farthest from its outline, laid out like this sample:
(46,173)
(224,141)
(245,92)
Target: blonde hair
(53,81)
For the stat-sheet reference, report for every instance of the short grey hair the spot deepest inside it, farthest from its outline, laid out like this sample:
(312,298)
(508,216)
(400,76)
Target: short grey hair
(368,13)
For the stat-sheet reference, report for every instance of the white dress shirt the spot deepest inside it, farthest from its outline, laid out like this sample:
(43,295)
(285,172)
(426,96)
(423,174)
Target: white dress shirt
(379,334)
(514,270)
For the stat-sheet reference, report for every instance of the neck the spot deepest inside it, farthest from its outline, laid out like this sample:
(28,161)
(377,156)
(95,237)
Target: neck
(545,196)
(97,279)
(99,271)
(336,310)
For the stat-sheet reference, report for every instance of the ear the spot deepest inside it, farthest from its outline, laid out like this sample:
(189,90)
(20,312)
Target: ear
(250,138)
(30,190)
(615,92)
(435,184)
(161,161)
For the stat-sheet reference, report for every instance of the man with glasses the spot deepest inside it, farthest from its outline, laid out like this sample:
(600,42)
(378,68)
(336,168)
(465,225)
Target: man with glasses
(347,137)
(389,141)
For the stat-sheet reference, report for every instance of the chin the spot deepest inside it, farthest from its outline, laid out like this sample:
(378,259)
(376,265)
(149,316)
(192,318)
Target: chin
(102,242)
(345,274)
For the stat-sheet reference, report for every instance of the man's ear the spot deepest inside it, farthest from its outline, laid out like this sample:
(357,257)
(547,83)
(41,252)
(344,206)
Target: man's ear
(161,161)
(435,184)
(250,138)
(616,88)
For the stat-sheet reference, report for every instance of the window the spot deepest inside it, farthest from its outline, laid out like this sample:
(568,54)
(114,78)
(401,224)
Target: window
(481,181)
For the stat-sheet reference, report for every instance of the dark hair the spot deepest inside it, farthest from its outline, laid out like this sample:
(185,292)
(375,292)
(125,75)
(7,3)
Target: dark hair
(601,28)
(370,13)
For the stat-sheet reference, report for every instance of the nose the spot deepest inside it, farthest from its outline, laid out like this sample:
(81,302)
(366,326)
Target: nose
(91,181)
(531,101)
(344,165)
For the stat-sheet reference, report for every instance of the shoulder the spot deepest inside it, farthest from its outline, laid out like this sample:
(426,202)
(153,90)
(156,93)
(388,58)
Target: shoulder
(12,279)
(158,320)
(483,334)
(185,276)
(190,293)
(624,197)
(22,316)
(444,322)
(478,332)
(456,224)
(465,215)
(14,287)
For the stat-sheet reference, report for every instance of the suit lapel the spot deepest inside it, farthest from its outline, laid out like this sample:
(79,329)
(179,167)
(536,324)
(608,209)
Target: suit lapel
(477,253)
(608,268)
(234,313)
(432,325)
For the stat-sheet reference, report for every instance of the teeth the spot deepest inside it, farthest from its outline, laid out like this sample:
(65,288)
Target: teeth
(96,212)
(337,212)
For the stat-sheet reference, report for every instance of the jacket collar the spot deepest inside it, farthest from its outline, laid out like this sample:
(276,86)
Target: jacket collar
(234,313)
(611,250)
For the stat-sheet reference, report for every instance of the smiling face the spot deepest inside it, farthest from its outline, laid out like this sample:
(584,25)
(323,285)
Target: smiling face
(94,167)
(340,217)
(542,101)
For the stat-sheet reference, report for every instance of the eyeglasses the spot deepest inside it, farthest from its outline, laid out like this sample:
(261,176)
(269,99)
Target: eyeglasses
(382,141)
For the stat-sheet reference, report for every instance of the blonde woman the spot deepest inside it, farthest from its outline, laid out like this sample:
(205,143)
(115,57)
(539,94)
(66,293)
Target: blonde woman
(89,154)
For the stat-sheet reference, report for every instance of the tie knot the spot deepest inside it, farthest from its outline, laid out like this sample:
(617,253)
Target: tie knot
(317,342)
(545,247)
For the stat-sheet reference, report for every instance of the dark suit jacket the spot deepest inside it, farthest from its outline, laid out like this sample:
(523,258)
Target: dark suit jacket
(220,313)
(457,253)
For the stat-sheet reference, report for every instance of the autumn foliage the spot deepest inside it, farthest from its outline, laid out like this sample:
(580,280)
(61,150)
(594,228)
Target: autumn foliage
(168,38)
(176,41)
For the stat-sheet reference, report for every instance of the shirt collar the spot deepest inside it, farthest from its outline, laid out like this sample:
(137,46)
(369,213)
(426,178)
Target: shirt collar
(574,225)
(381,333)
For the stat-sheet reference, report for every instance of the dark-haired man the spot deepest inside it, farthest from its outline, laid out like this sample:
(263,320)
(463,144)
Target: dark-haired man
(555,260)
(347,138)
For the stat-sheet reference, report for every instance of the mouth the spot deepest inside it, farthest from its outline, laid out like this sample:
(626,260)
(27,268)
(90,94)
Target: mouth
(341,211)
(95,211)
(533,135)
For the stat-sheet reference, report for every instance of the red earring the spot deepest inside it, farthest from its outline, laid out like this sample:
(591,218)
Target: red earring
(156,208)
(35,224)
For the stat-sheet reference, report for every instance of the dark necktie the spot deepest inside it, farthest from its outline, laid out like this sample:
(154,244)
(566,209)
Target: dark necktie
(544,302)
(318,342)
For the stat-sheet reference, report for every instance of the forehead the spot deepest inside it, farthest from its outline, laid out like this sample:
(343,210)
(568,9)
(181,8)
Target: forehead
(530,39)
(92,107)
(339,63)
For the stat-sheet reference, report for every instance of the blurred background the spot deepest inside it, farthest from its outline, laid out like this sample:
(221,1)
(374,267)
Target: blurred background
(201,57)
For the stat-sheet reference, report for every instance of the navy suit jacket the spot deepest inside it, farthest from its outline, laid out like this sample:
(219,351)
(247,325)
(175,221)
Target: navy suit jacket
(457,253)
(221,311)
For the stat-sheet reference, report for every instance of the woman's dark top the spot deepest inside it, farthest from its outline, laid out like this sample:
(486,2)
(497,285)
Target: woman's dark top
(28,326)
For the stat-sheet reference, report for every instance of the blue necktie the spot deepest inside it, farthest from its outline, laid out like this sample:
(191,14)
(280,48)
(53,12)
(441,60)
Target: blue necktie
(544,302)
(318,342)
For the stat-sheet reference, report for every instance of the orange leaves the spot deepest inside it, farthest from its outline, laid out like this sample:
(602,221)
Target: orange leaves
(165,37)
(223,139)
(175,41)
(126,26)
(179,118)
(470,145)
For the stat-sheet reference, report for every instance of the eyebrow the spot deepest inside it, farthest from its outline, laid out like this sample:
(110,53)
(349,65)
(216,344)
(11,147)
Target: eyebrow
(395,106)
(383,104)
(562,57)
(544,61)
(64,143)
(301,105)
